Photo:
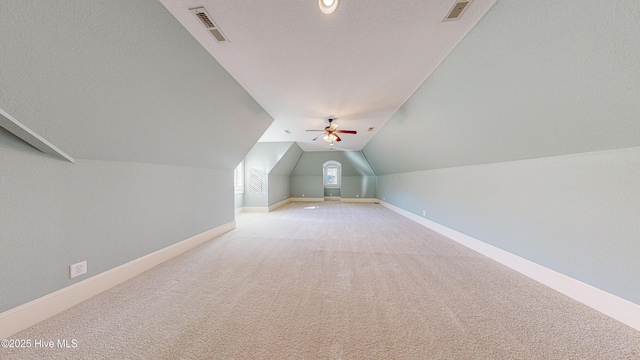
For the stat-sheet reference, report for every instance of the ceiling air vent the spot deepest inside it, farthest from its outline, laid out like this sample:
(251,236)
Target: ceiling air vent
(207,22)
(457,10)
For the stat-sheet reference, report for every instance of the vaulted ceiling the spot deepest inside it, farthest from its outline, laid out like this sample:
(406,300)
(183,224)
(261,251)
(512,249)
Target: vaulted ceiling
(357,65)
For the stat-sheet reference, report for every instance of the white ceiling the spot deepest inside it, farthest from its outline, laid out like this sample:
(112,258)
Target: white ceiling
(358,65)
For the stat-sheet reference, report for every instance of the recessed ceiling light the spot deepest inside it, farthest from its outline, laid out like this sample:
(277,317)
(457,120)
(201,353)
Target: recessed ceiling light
(371,128)
(328,6)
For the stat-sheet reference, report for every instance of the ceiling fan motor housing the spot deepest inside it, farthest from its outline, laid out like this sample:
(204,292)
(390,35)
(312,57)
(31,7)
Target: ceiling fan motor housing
(330,120)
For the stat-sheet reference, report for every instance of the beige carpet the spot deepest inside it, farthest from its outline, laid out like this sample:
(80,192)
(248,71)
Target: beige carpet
(339,281)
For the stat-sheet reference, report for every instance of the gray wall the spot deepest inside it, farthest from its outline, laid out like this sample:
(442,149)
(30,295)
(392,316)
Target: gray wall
(238,200)
(358,186)
(54,213)
(540,81)
(331,191)
(280,175)
(309,186)
(155,124)
(576,214)
(279,188)
(358,178)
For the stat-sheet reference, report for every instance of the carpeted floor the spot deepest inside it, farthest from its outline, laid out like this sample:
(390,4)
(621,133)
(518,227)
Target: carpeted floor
(331,281)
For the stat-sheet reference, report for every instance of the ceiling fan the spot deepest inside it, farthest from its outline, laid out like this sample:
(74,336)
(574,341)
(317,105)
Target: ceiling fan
(331,133)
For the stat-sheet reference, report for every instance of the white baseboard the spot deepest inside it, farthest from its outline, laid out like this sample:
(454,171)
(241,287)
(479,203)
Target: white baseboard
(277,205)
(19,318)
(615,307)
(360,200)
(255,209)
(305,199)
(332,198)
(238,211)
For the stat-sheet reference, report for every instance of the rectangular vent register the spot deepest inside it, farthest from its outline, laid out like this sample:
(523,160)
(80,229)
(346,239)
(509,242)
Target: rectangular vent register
(457,10)
(207,21)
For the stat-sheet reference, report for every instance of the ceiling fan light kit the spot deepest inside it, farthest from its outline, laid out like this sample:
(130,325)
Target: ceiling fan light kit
(328,6)
(330,138)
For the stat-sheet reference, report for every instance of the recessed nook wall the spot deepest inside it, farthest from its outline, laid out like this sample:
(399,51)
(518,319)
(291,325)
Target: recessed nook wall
(357,179)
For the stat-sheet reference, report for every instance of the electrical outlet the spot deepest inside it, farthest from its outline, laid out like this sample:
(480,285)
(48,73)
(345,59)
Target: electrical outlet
(357,195)
(383,198)
(77,269)
(302,195)
(424,212)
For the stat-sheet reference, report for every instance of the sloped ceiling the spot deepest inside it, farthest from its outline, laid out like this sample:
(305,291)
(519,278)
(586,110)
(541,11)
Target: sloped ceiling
(288,161)
(122,80)
(266,156)
(358,64)
(532,79)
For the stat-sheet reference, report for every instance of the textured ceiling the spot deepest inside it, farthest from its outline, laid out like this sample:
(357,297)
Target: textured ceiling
(359,64)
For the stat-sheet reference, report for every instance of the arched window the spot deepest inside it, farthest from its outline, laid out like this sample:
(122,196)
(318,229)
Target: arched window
(331,173)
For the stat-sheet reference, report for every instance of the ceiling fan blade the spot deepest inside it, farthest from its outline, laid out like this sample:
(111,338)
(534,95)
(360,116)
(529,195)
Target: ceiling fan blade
(317,137)
(337,137)
(347,131)
(314,130)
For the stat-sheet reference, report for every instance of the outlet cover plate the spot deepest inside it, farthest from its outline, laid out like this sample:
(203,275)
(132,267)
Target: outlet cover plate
(77,269)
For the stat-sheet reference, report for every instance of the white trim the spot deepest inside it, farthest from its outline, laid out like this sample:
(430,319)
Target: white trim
(305,199)
(31,137)
(239,210)
(281,203)
(332,198)
(360,200)
(615,307)
(255,209)
(19,318)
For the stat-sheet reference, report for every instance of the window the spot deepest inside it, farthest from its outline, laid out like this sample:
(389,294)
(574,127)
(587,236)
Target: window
(332,176)
(331,171)
(238,179)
